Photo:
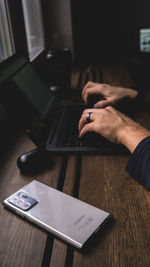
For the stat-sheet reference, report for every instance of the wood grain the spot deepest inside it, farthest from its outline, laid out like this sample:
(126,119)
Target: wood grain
(22,244)
(116,74)
(106,185)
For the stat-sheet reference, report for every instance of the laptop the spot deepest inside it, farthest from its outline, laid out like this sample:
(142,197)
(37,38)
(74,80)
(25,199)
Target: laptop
(49,122)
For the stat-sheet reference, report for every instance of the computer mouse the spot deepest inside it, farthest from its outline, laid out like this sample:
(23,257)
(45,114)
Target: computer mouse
(34,161)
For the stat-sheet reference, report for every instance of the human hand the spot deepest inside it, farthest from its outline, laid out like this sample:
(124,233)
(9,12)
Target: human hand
(110,94)
(106,122)
(114,126)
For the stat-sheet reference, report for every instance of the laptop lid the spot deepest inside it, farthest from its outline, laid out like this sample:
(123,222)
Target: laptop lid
(33,103)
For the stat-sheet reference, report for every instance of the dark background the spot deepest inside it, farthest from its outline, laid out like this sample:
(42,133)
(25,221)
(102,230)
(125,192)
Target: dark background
(108,30)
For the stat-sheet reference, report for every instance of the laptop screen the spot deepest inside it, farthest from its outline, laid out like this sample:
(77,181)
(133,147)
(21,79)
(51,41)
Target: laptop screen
(35,91)
(38,106)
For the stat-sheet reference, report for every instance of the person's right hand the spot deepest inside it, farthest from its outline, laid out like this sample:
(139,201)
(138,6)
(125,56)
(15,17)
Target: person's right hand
(111,95)
(114,126)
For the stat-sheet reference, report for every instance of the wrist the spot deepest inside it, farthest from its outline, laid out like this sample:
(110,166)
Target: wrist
(131,135)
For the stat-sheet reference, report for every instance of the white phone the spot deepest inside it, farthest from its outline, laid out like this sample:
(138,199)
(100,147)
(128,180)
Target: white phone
(70,219)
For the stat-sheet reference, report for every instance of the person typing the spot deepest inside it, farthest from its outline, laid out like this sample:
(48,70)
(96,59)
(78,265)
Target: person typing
(104,119)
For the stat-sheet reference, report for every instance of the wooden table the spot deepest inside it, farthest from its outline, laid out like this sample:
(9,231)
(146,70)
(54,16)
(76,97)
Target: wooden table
(100,180)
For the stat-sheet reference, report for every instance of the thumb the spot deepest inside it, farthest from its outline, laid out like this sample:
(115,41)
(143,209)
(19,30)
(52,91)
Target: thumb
(102,104)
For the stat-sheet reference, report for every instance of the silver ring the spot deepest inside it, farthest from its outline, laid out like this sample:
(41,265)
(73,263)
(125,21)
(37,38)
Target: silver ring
(88,115)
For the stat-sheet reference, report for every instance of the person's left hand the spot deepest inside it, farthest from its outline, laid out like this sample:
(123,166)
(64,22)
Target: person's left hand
(111,95)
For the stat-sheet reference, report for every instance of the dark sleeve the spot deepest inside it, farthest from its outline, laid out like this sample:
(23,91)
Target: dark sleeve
(139,163)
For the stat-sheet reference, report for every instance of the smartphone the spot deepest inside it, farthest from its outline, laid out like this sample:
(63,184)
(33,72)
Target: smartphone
(70,219)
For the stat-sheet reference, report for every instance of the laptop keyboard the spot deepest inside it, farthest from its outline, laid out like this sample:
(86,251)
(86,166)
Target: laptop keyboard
(69,134)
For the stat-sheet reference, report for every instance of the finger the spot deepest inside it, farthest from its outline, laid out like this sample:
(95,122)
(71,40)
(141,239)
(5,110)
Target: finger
(90,91)
(83,119)
(97,88)
(88,85)
(81,124)
(89,127)
(88,110)
(103,103)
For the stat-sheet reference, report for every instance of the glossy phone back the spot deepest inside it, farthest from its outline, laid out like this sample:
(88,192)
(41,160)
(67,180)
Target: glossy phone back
(70,219)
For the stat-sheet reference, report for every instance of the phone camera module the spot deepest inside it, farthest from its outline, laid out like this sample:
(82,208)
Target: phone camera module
(23,201)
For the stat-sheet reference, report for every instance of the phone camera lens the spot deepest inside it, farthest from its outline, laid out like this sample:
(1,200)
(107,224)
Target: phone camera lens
(23,196)
(14,199)
(20,201)
(26,205)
